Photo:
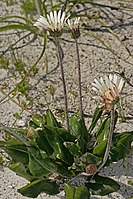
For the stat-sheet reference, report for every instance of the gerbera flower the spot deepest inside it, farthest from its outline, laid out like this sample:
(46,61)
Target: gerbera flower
(109,90)
(54,23)
(74,27)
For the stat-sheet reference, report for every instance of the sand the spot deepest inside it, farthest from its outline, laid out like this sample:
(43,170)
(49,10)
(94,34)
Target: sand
(96,60)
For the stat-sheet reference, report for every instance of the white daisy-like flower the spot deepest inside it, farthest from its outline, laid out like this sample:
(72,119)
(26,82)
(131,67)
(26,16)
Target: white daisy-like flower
(73,24)
(54,22)
(109,90)
(74,27)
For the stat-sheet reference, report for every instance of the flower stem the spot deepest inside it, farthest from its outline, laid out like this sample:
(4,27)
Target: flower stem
(109,142)
(79,81)
(63,82)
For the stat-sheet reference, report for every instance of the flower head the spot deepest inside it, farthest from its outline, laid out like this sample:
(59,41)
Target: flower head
(54,22)
(74,27)
(109,90)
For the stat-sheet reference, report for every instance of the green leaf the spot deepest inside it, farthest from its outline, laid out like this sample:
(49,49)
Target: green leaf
(121,145)
(34,188)
(43,143)
(38,166)
(51,120)
(73,148)
(69,191)
(33,125)
(82,193)
(78,129)
(16,150)
(97,114)
(21,170)
(103,130)
(99,149)
(62,133)
(38,120)
(73,192)
(41,165)
(89,158)
(102,186)
(60,151)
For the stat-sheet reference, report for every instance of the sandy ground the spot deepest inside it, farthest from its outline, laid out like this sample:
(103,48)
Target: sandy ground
(96,61)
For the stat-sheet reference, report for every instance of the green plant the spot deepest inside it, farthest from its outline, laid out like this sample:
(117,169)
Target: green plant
(48,154)
(45,152)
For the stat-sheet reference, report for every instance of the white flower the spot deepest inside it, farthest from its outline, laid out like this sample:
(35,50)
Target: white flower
(108,89)
(73,24)
(74,27)
(54,22)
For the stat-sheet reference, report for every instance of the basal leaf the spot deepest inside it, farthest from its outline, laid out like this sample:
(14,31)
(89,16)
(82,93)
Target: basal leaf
(34,188)
(99,149)
(38,166)
(89,158)
(72,192)
(73,148)
(103,130)
(21,170)
(78,129)
(16,150)
(60,151)
(43,143)
(121,145)
(96,117)
(102,186)
(38,120)
(51,120)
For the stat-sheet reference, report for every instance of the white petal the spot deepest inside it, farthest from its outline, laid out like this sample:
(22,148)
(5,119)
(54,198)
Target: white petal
(95,89)
(112,84)
(78,19)
(48,17)
(52,17)
(107,81)
(111,77)
(62,18)
(121,83)
(59,16)
(68,22)
(43,20)
(55,19)
(115,80)
(98,98)
(103,84)
(55,16)
(99,86)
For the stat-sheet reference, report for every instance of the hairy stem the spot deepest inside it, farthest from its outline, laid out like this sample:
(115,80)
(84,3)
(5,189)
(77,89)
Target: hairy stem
(63,82)
(15,134)
(79,81)
(109,143)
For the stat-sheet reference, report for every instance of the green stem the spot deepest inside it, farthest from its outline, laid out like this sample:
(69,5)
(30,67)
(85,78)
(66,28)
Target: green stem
(109,142)
(63,82)
(79,81)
